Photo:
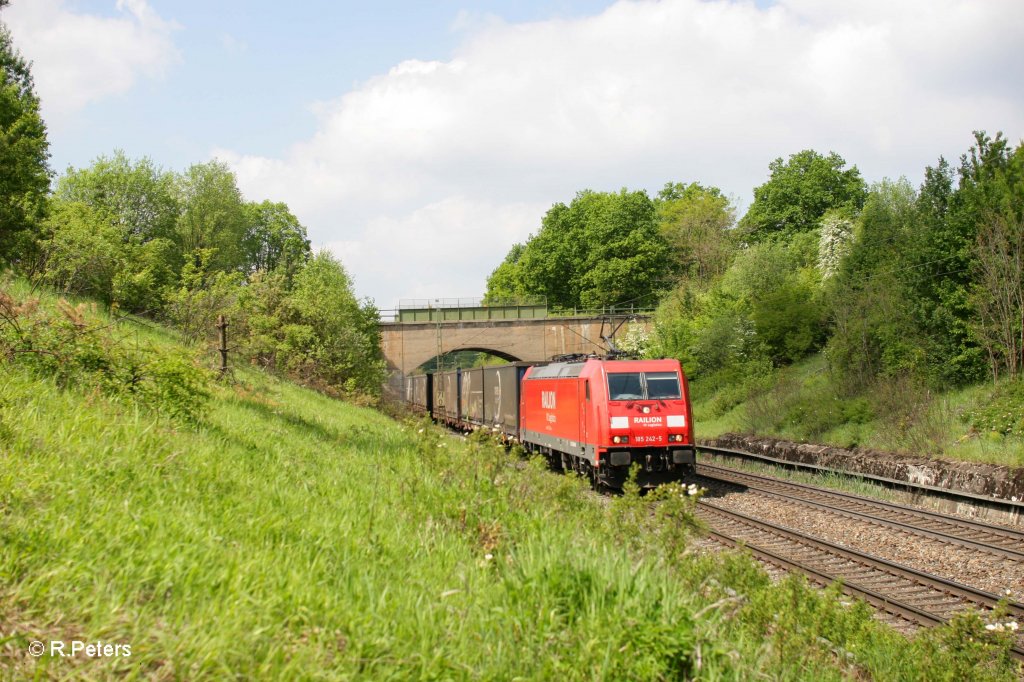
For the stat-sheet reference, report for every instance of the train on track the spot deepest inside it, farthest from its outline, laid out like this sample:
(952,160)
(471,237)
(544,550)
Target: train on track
(595,416)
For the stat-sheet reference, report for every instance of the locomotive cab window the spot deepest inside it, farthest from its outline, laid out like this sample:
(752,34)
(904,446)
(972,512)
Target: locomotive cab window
(662,385)
(625,386)
(643,386)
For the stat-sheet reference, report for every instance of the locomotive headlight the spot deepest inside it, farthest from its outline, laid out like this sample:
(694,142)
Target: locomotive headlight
(646,409)
(620,439)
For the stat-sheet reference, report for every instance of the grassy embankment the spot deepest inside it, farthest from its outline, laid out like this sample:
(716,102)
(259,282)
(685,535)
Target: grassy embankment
(285,535)
(981,423)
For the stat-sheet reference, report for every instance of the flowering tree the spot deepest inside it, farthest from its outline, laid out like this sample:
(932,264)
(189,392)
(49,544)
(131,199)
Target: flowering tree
(834,242)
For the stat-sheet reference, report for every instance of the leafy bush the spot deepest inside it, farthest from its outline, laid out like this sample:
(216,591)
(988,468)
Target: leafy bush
(813,414)
(83,253)
(76,348)
(968,647)
(727,398)
(145,275)
(1002,412)
(805,408)
(204,295)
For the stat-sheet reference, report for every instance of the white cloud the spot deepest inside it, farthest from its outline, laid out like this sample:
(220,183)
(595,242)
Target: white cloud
(463,233)
(81,58)
(463,156)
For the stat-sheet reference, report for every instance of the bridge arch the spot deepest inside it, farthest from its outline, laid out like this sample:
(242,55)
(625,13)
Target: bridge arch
(507,357)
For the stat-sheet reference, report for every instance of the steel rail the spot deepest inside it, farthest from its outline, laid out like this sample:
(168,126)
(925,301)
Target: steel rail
(1015,507)
(879,601)
(888,569)
(1009,535)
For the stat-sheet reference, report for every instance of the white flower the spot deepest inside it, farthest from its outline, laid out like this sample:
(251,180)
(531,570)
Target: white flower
(1012,625)
(420,431)
(488,557)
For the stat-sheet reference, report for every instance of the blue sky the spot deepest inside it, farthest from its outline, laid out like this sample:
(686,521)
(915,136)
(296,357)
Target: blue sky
(419,141)
(250,70)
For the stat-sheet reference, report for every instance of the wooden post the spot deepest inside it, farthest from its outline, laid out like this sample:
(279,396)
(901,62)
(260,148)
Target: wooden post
(222,325)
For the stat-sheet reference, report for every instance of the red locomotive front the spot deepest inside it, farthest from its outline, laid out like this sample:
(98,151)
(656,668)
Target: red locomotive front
(598,417)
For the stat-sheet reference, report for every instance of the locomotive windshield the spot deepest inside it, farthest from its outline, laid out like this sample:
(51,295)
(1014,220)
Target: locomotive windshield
(661,385)
(625,386)
(643,385)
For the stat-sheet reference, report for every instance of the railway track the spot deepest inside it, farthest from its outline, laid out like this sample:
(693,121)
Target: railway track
(904,592)
(997,540)
(1013,510)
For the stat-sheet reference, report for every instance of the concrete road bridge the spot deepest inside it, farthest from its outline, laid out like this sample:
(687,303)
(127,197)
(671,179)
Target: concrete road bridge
(417,333)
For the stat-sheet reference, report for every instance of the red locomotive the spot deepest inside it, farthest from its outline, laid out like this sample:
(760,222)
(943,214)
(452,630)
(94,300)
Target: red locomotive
(594,416)
(598,417)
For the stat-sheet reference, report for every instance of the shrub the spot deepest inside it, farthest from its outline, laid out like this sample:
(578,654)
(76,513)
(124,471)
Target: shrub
(75,348)
(83,253)
(914,421)
(204,295)
(315,329)
(1001,412)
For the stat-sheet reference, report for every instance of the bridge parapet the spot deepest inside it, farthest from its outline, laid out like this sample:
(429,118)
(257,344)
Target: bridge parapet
(476,309)
(409,344)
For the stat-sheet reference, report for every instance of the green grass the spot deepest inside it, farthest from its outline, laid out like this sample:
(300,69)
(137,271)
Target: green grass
(285,535)
(801,404)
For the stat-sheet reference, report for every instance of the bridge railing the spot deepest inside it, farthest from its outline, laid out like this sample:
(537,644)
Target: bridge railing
(505,312)
(472,302)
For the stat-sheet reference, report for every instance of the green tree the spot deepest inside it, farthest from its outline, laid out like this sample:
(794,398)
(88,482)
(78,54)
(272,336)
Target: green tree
(997,292)
(82,253)
(316,330)
(145,275)
(944,266)
(134,196)
(137,206)
(602,249)
(781,285)
(506,281)
(212,216)
(798,194)
(695,222)
(874,327)
(548,264)
(274,238)
(24,154)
